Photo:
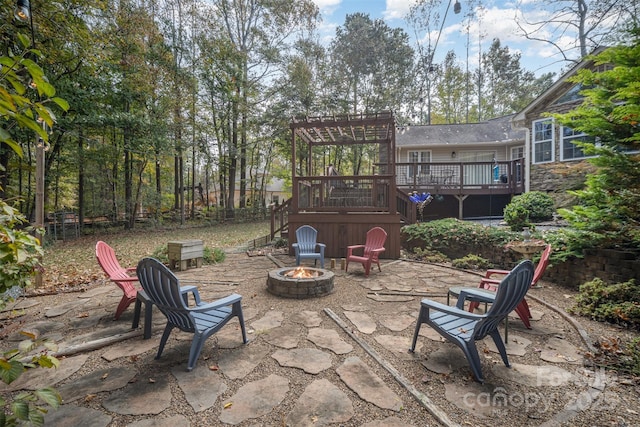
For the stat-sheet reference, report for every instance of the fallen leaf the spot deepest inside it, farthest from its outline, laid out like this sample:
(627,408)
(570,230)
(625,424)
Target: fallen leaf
(104,377)
(89,397)
(228,405)
(151,380)
(213,368)
(81,315)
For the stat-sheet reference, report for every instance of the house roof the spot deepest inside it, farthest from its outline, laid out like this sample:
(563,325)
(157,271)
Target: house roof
(491,132)
(555,90)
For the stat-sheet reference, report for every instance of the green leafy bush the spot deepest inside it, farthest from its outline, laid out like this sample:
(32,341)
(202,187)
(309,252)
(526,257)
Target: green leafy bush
(472,262)
(528,208)
(209,256)
(279,242)
(27,407)
(569,243)
(430,256)
(20,252)
(213,256)
(455,238)
(616,303)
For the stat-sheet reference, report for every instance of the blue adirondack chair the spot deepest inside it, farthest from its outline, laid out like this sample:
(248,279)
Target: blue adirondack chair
(163,289)
(464,329)
(306,246)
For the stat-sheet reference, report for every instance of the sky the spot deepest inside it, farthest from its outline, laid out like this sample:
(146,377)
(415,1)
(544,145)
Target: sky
(497,21)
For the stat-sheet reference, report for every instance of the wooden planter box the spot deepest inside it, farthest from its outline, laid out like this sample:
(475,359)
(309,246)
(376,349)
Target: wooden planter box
(182,253)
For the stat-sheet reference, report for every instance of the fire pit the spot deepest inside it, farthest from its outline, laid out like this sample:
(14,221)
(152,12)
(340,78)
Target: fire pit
(300,282)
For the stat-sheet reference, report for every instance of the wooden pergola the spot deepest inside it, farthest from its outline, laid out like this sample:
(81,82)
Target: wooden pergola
(344,207)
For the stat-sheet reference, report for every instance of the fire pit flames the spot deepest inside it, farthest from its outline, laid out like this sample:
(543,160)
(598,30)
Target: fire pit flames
(301,273)
(300,282)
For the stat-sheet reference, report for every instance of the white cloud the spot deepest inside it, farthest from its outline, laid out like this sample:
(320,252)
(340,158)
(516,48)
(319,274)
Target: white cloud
(327,7)
(397,9)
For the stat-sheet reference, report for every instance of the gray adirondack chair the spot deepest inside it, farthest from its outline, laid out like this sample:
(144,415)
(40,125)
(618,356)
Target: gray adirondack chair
(163,288)
(306,246)
(464,329)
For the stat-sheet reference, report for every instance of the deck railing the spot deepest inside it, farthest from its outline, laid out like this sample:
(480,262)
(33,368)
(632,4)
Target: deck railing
(462,178)
(363,193)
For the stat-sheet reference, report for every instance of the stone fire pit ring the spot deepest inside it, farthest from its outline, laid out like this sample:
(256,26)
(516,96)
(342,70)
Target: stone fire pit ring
(288,287)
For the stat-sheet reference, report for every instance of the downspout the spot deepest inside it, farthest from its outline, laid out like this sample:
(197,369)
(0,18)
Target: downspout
(527,157)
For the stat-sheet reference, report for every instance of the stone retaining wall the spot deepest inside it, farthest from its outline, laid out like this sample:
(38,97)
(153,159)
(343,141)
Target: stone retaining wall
(609,265)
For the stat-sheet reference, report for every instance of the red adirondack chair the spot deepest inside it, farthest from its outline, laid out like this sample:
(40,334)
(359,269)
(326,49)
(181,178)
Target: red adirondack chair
(126,281)
(490,283)
(372,248)
(124,278)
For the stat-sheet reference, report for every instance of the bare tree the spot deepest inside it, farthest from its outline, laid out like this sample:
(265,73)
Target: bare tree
(573,25)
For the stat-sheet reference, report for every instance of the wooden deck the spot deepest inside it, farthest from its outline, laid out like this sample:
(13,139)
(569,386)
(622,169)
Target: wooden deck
(462,179)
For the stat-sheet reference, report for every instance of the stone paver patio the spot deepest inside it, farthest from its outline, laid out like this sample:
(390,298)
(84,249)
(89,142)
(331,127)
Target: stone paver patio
(351,354)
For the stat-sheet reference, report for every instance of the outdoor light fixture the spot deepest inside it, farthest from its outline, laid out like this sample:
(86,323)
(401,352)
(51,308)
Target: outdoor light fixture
(22,11)
(457,7)
(453,154)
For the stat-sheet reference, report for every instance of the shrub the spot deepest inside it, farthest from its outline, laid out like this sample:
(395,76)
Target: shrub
(20,252)
(455,238)
(279,242)
(616,303)
(528,208)
(209,256)
(430,256)
(471,262)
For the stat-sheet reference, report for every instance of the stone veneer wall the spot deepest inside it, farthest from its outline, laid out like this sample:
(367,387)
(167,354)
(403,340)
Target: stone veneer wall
(609,265)
(556,179)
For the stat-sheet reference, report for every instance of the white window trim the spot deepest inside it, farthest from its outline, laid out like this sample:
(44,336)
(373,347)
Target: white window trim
(420,160)
(519,147)
(564,139)
(534,143)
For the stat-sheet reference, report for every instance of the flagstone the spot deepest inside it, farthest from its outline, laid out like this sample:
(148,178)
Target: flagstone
(309,319)
(535,375)
(366,384)
(445,360)
(517,345)
(560,351)
(240,362)
(143,397)
(398,322)
(398,345)
(243,405)
(95,382)
(34,379)
(284,336)
(362,321)
(310,360)
(329,339)
(201,387)
(272,319)
(74,416)
(321,404)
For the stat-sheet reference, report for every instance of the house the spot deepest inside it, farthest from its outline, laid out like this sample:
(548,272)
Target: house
(472,170)
(555,163)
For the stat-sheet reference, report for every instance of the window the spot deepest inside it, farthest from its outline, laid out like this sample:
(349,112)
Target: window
(517,153)
(543,135)
(571,151)
(418,157)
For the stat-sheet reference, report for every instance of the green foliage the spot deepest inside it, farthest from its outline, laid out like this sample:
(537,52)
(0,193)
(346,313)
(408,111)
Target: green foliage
(609,114)
(161,253)
(20,252)
(472,262)
(568,243)
(617,303)
(279,242)
(27,407)
(213,256)
(21,74)
(430,256)
(528,208)
(209,256)
(443,233)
